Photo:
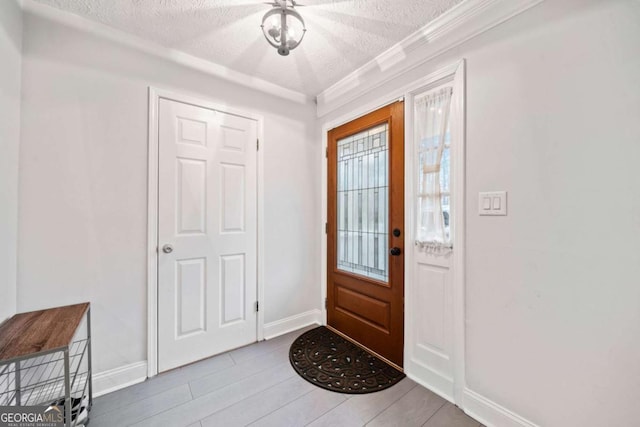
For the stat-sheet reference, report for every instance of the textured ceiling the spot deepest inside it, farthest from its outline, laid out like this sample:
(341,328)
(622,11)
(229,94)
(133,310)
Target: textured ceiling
(341,35)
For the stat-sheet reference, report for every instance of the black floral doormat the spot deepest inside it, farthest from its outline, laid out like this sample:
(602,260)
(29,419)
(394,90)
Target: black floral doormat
(329,361)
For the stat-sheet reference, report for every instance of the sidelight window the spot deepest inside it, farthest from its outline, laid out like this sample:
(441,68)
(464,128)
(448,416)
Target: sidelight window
(433,142)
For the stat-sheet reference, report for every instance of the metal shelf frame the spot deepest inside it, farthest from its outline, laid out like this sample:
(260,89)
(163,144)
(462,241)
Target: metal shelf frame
(52,376)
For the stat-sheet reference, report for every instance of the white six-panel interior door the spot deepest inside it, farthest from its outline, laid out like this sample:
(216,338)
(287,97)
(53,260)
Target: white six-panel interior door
(207,232)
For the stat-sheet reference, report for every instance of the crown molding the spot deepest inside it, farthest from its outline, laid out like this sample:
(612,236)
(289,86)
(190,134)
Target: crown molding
(104,31)
(454,27)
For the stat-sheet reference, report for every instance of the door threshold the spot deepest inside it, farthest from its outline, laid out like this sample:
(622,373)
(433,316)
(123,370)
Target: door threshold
(348,338)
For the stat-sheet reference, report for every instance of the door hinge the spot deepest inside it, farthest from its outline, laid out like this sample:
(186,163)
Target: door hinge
(325,303)
(257,144)
(326,228)
(257,306)
(326,152)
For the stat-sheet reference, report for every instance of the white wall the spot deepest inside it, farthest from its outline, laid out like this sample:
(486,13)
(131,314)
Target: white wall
(10,52)
(552,295)
(83,184)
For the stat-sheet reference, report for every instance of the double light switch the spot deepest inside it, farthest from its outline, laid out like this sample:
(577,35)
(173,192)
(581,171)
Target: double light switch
(492,203)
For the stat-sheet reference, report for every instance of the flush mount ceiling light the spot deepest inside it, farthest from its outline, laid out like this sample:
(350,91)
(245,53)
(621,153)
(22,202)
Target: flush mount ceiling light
(283,27)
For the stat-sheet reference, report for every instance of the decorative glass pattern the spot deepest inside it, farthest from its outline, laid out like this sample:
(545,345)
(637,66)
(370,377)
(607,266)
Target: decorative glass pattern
(362,203)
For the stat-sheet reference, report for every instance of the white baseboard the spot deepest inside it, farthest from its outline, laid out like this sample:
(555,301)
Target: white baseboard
(490,413)
(288,324)
(115,379)
(428,378)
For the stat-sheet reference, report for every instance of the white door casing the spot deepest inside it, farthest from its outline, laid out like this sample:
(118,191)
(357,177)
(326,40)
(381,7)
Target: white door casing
(207,213)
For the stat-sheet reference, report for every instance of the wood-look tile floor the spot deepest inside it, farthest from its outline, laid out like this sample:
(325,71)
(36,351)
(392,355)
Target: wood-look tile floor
(256,385)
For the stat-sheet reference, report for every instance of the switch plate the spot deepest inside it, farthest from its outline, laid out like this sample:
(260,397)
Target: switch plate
(492,203)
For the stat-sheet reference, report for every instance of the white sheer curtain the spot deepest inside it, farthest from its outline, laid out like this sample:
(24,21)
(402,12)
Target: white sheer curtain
(431,124)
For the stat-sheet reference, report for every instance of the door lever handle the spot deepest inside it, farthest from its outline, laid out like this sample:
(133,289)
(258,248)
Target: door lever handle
(395,251)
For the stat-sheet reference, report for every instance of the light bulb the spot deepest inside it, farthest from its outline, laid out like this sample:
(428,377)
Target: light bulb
(274,33)
(275,22)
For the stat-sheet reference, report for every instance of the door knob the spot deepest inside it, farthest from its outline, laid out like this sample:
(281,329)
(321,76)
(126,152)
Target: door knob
(167,249)
(395,251)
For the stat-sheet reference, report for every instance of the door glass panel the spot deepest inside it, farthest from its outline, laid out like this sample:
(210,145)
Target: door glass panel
(362,203)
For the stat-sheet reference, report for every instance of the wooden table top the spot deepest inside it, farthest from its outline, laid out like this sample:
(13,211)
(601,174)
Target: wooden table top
(40,331)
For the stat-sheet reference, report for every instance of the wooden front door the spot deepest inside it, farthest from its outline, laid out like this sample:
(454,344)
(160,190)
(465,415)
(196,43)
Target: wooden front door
(365,234)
